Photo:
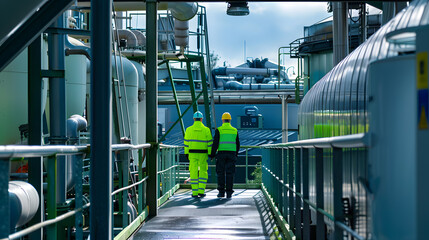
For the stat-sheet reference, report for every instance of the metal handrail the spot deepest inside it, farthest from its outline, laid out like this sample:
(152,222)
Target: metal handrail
(12,151)
(119,147)
(349,141)
(40,225)
(130,186)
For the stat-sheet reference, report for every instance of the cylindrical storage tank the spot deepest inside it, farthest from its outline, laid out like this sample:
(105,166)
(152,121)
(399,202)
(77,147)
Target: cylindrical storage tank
(141,102)
(14,96)
(24,202)
(75,76)
(128,120)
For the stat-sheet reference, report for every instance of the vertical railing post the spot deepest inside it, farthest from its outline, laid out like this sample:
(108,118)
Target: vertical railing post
(78,164)
(125,155)
(320,228)
(51,201)
(298,220)
(337,177)
(291,185)
(278,171)
(247,167)
(101,120)
(141,194)
(4,198)
(152,104)
(285,184)
(305,194)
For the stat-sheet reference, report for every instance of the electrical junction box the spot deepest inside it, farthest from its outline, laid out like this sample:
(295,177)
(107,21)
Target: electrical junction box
(250,122)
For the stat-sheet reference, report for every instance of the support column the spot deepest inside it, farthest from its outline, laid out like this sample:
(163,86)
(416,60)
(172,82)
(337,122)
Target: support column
(57,104)
(284,119)
(4,198)
(101,120)
(152,104)
(340,31)
(35,165)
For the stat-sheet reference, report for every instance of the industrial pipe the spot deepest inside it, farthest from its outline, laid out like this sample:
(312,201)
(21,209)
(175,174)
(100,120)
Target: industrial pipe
(24,202)
(75,124)
(182,11)
(234,85)
(128,35)
(248,71)
(75,47)
(141,38)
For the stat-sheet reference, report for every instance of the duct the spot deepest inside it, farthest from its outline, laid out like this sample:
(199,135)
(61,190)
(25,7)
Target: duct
(182,11)
(24,202)
(128,35)
(181,34)
(75,47)
(340,31)
(141,38)
(234,85)
(75,124)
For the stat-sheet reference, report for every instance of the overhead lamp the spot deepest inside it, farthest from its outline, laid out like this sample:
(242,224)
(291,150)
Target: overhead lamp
(238,8)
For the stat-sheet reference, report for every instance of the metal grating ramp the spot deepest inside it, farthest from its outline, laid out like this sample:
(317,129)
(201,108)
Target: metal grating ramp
(245,216)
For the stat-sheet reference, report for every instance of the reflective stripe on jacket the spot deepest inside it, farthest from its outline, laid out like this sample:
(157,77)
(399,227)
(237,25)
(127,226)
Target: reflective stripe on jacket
(227,138)
(198,139)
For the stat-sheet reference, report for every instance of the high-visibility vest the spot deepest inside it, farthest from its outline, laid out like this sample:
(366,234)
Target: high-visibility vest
(227,137)
(198,139)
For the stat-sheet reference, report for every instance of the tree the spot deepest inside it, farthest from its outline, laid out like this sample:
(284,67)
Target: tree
(214,58)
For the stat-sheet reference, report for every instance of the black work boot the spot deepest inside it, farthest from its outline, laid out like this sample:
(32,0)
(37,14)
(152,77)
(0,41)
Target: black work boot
(228,195)
(201,194)
(221,194)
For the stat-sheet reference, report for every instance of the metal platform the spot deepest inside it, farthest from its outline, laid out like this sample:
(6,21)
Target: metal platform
(245,216)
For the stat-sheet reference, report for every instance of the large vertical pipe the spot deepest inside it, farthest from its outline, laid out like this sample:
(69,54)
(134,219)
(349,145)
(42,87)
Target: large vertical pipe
(340,30)
(390,9)
(152,104)
(35,165)
(284,119)
(101,124)
(57,103)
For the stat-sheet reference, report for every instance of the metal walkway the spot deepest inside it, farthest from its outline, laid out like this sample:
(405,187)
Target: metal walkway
(245,216)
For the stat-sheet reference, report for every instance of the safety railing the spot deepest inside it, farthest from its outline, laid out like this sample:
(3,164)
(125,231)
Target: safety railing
(286,176)
(130,187)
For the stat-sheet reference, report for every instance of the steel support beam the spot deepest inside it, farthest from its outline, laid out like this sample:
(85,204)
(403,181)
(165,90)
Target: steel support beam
(176,100)
(31,29)
(340,31)
(205,95)
(298,218)
(57,104)
(192,86)
(291,184)
(101,120)
(35,165)
(152,104)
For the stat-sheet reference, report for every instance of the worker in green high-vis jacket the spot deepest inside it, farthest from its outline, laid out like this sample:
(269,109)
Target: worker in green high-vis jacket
(198,145)
(225,148)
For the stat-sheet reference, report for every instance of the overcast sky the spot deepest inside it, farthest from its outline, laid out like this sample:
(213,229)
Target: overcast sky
(267,27)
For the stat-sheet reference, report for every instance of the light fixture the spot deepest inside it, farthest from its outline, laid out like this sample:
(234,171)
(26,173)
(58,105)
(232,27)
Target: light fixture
(238,8)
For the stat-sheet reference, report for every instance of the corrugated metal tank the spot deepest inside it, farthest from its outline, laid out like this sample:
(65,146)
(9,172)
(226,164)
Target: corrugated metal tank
(337,105)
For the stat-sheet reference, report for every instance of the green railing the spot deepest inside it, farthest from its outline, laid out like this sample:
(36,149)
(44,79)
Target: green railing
(285,181)
(130,187)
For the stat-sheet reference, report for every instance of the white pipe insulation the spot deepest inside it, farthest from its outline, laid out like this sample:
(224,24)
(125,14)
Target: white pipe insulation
(141,38)
(266,72)
(23,201)
(128,35)
(181,34)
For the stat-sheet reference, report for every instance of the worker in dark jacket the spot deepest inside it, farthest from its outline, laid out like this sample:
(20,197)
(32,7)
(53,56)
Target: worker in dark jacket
(225,148)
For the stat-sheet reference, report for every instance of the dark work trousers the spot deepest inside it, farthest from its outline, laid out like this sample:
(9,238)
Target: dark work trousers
(225,169)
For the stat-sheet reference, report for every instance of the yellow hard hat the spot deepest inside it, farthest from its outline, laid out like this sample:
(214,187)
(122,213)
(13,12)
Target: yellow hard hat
(226,116)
